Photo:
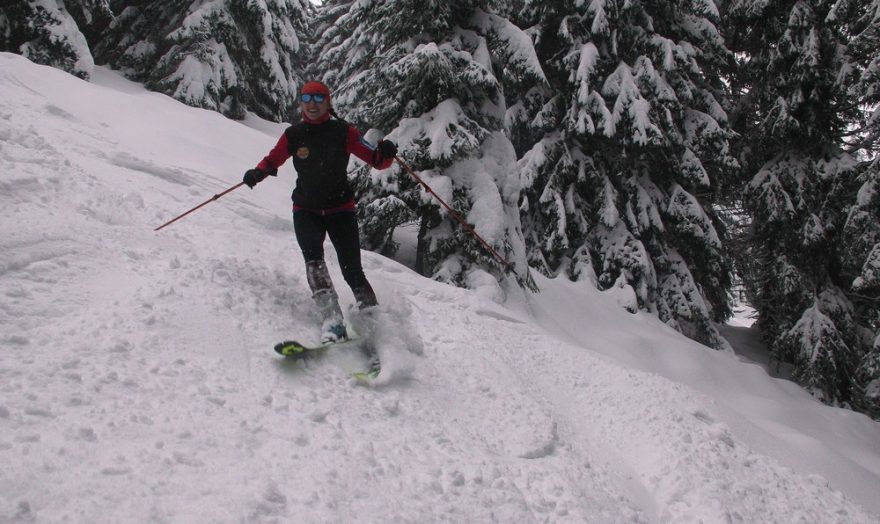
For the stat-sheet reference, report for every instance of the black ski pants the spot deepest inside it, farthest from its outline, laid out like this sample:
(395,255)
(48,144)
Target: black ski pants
(313,227)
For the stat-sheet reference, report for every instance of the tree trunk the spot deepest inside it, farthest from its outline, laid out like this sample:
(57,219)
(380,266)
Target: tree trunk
(421,248)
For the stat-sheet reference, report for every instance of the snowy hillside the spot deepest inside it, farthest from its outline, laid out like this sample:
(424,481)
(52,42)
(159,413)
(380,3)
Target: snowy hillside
(138,383)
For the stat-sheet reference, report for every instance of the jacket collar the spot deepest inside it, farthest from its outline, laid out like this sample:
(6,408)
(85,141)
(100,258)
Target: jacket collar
(320,120)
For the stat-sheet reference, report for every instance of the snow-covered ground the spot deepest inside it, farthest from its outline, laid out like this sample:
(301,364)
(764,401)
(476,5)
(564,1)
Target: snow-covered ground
(138,383)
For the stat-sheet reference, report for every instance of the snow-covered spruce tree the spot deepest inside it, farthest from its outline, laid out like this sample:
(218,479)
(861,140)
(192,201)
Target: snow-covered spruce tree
(867,391)
(231,56)
(428,74)
(862,229)
(92,17)
(861,267)
(799,114)
(864,32)
(634,151)
(44,32)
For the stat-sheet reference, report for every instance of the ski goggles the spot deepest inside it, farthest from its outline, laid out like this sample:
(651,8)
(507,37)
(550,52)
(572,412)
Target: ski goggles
(307,97)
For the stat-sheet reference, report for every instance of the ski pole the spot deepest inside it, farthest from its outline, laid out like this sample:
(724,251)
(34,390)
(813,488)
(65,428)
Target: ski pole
(206,202)
(469,228)
(526,282)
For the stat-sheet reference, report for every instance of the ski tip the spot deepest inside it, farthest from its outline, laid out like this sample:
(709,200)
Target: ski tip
(366,377)
(290,348)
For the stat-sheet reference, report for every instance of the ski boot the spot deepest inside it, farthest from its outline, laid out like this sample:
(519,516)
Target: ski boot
(333,331)
(366,324)
(365,319)
(374,366)
(332,324)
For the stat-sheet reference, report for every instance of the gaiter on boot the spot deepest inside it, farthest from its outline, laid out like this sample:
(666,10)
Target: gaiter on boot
(333,326)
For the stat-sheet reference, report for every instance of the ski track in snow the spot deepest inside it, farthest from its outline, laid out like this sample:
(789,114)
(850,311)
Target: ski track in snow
(138,382)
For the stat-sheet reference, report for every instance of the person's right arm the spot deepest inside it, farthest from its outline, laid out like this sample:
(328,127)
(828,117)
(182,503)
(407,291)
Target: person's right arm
(269,164)
(277,157)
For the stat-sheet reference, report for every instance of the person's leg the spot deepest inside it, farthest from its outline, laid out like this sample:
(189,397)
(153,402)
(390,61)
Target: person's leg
(310,234)
(343,231)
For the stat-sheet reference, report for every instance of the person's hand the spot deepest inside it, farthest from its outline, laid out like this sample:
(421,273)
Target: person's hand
(387,149)
(254,176)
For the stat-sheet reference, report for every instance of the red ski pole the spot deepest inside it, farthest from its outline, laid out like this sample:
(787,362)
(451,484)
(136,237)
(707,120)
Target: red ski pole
(526,282)
(469,228)
(215,197)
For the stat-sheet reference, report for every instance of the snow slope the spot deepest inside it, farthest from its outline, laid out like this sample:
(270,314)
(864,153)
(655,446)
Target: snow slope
(137,381)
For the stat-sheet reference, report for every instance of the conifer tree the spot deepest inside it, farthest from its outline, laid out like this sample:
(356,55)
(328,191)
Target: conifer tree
(430,75)
(633,152)
(864,33)
(229,55)
(46,33)
(861,267)
(804,80)
(92,17)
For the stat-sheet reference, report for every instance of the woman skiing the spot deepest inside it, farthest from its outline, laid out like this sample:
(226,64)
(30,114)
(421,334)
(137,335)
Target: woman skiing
(323,200)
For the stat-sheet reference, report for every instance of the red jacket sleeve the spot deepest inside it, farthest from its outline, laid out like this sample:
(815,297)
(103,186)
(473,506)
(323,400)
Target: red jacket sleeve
(277,157)
(357,146)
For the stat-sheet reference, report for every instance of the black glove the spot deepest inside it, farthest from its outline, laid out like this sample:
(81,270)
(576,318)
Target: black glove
(253,177)
(387,149)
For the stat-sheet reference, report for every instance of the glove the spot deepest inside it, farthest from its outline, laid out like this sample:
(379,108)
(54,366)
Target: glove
(253,177)
(387,149)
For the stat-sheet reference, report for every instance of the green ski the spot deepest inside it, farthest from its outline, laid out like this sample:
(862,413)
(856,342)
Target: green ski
(296,350)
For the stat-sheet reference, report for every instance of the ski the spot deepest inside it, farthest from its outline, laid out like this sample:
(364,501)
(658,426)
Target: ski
(296,350)
(366,376)
(373,369)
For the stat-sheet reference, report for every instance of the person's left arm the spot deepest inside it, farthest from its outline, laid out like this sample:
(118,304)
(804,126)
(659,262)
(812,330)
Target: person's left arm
(380,156)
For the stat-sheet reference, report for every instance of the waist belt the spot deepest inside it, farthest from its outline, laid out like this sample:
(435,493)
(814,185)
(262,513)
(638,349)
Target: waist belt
(348,206)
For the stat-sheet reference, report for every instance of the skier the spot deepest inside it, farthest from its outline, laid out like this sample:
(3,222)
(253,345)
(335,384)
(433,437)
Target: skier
(323,200)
